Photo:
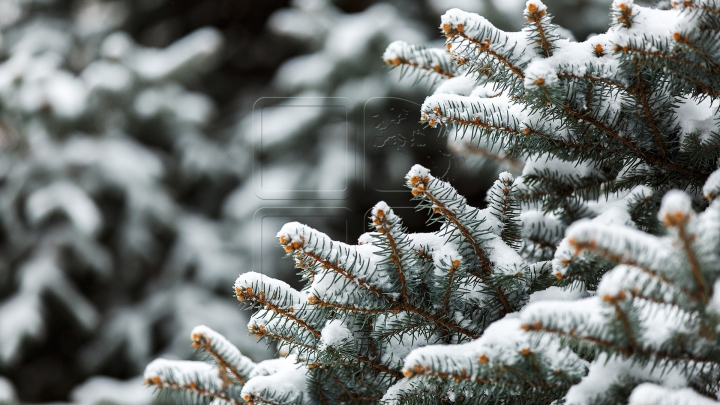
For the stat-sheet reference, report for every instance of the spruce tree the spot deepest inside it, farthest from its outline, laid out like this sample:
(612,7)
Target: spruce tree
(589,279)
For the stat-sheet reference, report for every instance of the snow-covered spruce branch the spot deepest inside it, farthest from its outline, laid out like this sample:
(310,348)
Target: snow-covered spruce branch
(367,305)
(610,100)
(192,381)
(654,309)
(504,205)
(473,228)
(427,63)
(228,358)
(648,322)
(198,381)
(586,279)
(504,361)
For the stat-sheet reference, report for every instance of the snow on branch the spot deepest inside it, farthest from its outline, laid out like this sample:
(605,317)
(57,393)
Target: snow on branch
(503,357)
(475,230)
(194,379)
(400,263)
(652,394)
(284,382)
(473,41)
(327,261)
(679,218)
(539,27)
(569,98)
(712,186)
(540,233)
(504,205)
(623,245)
(424,63)
(623,287)
(284,313)
(228,357)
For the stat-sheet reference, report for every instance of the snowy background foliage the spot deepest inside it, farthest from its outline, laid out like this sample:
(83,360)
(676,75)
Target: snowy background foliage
(134,185)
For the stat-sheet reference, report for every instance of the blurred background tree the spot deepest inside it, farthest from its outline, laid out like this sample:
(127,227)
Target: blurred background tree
(128,198)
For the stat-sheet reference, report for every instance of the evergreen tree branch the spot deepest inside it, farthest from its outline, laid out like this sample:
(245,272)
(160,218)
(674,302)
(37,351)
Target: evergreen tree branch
(191,387)
(350,394)
(640,89)
(260,331)
(503,202)
(535,15)
(227,356)
(383,226)
(592,246)
(343,272)
(627,351)
(620,314)
(486,265)
(379,367)
(440,321)
(675,213)
(593,79)
(249,294)
(193,378)
(430,61)
(640,152)
(343,307)
(484,46)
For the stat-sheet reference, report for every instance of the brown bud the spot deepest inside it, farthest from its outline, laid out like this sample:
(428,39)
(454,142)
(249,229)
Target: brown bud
(599,51)
(679,38)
